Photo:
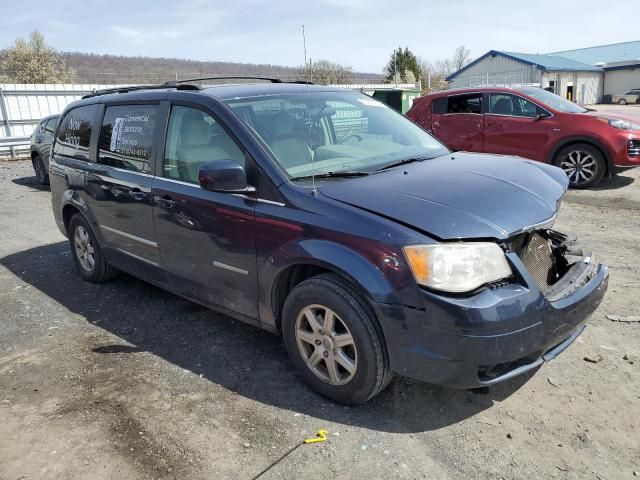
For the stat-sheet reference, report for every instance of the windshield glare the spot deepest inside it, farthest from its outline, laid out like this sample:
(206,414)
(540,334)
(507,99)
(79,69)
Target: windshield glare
(552,100)
(331,132)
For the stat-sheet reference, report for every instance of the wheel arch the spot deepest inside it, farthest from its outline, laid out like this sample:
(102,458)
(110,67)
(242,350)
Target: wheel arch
(283,273)
(573,140)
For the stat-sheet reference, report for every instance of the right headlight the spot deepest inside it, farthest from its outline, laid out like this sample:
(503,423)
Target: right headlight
(457,267)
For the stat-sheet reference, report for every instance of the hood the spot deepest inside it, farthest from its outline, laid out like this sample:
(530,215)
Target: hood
(613,115)
(461,195)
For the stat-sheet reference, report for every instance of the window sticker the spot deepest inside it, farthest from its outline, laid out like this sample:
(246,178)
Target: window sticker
(370,102)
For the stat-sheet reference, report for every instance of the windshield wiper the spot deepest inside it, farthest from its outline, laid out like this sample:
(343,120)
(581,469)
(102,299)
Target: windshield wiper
(342,174)
(402,162)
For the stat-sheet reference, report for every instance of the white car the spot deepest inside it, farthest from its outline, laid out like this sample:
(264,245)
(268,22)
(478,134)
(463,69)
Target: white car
(632,96)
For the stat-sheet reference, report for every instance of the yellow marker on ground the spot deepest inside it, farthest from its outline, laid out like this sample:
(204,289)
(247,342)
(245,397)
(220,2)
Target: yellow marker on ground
(321,436)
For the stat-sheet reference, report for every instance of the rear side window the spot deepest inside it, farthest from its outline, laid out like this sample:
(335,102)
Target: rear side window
(471,103)
(439,105)
(126,137)
(74,135)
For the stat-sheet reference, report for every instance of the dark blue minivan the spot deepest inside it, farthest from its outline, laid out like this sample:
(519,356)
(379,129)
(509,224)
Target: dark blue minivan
(320,214)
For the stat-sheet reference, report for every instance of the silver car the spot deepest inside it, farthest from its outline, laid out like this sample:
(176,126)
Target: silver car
(632,96)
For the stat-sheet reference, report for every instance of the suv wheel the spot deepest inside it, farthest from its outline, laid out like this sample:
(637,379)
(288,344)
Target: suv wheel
(87,253)
(583,163)
(41,171)
(622,101)
(332,339)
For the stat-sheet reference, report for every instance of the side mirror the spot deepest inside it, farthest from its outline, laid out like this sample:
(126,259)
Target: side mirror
(542,116)
(223,176)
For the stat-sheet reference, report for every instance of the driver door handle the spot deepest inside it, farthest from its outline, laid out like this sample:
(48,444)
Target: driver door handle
(166,201)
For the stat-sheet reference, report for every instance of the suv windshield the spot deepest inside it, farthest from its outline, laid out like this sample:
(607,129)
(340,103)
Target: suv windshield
(326,133)
(552,100)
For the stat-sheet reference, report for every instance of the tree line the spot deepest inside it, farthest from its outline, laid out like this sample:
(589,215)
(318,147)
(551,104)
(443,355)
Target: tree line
(34,61)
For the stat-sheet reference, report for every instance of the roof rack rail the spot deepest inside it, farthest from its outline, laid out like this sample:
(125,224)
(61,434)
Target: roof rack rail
(133,88)
(234,77)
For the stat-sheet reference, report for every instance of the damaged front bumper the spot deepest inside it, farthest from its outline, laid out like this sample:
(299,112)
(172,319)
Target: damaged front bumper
(500,332)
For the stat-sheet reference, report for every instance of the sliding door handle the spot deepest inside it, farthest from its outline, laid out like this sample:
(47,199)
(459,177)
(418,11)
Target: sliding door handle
(165,201)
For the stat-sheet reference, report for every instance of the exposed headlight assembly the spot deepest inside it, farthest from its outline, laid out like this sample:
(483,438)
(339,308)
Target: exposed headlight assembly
(621,124)
(457,267)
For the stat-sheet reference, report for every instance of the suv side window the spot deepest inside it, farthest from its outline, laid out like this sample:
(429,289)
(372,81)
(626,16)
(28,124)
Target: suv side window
(126,137)
(512,105)
(51,124)
(471,103)
(194,138)
(439,105)
(74,135)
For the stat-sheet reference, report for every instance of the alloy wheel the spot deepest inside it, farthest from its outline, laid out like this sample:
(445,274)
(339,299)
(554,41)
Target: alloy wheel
(84,248)
(580,166)
(326,344)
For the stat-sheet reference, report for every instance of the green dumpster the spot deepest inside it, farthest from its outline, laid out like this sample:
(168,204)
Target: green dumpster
(397,98)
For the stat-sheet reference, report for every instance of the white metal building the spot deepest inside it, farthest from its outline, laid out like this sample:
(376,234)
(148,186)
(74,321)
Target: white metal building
(584,75)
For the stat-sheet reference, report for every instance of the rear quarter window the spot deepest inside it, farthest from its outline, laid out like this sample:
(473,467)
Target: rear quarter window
(74,135)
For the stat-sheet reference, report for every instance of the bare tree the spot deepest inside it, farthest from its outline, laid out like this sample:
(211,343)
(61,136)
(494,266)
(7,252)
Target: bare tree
(435,74)
(461,57)
(325,72)
(34,61)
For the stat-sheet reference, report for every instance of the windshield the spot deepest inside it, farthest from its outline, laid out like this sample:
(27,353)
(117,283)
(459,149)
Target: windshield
(324,133)
(552,100)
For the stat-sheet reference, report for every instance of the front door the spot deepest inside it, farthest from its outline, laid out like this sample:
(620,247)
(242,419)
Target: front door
(459,123)
(118,188)
(512,127)
(206,238)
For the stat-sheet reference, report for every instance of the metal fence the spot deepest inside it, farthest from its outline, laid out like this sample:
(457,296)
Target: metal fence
(23,105)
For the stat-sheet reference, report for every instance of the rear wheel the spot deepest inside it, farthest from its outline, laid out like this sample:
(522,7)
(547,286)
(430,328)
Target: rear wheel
(332,338)
(87,253)
(584,164)
(41,172)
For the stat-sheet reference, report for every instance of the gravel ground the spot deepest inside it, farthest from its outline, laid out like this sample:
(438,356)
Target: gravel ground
(124,380)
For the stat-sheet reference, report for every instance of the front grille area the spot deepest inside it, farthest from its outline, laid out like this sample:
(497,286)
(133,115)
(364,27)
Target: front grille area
(634,148)
(535,251)
(538,258)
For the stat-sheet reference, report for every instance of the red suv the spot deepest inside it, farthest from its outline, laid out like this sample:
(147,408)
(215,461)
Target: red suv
(532,123)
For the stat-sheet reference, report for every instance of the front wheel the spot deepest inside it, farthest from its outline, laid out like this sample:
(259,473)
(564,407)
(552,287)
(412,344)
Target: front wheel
(622,101)
(583,163)
(333,340)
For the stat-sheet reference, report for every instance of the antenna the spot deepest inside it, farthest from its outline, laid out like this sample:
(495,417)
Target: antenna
(308,79)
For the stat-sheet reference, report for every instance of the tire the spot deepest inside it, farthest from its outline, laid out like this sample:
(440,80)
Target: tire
(83,240)
(583,163)
(622,101)
(41,172)
(366,352)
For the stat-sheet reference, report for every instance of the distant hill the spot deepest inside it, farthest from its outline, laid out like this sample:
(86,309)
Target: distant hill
(107,69)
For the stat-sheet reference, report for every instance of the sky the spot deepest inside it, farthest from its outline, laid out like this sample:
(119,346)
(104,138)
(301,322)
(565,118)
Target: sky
(358,33)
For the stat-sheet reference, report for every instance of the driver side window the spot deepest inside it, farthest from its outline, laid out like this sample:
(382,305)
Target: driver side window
(512,105)
(194,138)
